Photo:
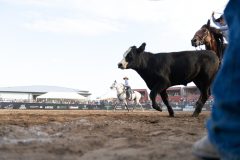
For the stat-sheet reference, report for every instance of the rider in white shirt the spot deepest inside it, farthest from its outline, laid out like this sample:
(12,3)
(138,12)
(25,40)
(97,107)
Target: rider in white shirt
(222,25)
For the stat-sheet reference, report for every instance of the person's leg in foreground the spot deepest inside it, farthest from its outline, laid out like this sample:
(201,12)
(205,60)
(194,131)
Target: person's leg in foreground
(223,140)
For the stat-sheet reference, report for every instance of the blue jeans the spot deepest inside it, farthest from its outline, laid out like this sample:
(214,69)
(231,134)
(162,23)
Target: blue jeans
(224,123)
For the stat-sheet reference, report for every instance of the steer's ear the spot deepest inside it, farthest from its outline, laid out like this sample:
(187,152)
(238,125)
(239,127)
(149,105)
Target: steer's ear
(141,48)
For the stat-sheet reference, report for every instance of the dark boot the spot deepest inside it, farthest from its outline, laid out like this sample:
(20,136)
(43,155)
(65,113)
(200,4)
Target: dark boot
(127,94)
(130,96)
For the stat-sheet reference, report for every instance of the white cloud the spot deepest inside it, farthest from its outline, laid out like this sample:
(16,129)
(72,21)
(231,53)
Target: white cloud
(140,10)
(87,27)
(87,17)
(136,10)
(97,17)
(44,3)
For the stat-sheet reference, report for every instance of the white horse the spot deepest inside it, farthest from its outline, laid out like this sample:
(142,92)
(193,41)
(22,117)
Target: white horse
(122,97)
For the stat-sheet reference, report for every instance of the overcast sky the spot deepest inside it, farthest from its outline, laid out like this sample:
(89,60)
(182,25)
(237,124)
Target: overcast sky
(78,43)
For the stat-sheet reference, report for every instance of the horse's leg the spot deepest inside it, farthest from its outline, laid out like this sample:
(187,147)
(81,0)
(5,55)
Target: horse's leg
(133,98)
(133,106)
(164,97)
(205,93)
(137,99)
(141,106)
(115,105)
(126,104)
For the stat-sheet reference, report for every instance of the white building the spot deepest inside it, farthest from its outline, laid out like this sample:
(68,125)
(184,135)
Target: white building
(29,93)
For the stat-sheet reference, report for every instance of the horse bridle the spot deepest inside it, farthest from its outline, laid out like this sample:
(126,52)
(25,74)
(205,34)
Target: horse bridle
(206,33)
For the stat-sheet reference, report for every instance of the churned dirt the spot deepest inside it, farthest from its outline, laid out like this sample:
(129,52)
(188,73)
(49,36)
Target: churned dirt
(98,135)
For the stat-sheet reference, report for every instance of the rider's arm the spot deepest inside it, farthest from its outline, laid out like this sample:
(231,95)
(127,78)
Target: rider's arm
(217,23)
(126,83)
(223,28)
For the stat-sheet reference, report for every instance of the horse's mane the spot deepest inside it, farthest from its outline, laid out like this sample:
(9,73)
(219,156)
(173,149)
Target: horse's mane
(217,34)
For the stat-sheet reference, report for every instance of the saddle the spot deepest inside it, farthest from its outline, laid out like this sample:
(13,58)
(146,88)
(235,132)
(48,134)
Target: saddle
(128,94)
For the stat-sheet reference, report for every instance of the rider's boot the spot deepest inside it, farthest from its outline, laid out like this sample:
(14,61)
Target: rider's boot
(130,96)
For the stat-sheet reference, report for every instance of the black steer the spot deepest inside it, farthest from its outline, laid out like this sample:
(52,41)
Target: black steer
(163,70)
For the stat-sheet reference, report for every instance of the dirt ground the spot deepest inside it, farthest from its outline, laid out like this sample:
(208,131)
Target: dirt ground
(98,135)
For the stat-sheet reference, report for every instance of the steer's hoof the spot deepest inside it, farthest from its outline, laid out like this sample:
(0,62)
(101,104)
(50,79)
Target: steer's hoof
(171,115)
(195,114)
(157,108)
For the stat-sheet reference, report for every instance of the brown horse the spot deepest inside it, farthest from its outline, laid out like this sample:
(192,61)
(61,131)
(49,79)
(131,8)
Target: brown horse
(211,37)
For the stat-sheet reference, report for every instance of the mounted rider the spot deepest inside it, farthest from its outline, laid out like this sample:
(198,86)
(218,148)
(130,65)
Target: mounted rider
(127,88)
(221,24)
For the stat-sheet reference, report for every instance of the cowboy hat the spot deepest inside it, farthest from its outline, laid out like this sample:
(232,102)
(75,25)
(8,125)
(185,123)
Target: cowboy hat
(125,77)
